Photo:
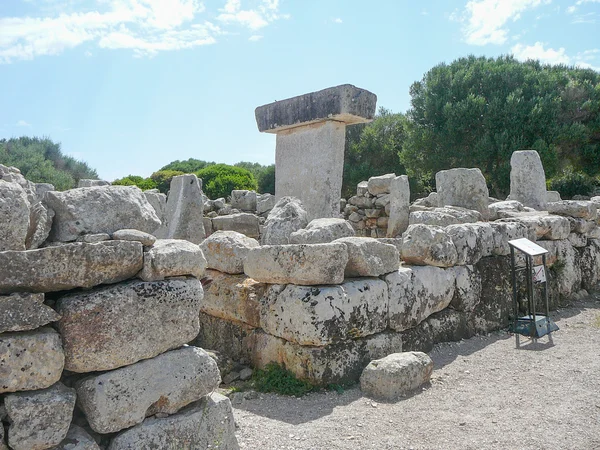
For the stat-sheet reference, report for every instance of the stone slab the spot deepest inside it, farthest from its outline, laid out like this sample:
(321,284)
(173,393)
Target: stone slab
(172,258)
(22,311)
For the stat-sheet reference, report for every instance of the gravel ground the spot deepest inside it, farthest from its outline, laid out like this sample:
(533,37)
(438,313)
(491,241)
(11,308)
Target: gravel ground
(484,394)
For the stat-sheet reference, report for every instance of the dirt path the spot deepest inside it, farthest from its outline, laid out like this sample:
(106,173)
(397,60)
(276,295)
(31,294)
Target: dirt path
(484,394)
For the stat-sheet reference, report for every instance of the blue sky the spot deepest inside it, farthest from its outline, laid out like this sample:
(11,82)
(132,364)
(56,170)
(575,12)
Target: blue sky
(130,85)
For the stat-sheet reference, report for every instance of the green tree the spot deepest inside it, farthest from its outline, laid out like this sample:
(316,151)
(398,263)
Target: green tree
(189,166)
(266,180)
(135,180)
(162,179)
(220,179)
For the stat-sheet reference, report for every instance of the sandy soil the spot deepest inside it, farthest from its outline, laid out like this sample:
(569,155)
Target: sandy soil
(484,394)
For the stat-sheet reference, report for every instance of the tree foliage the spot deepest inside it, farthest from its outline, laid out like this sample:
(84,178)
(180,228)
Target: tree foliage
(135,180)
(189,166)
(266,180)
(162,179)
(41,160)
(220,179)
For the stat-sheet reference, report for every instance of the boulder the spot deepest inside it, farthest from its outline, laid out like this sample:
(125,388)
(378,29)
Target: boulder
(40,224)
(103,209)
(463,187)
(431,201)
(574,208)
(208,423)
(399,206)
(77,439)
(69,266)
(185,209)
(546,226)
(553,196)
(321,231)
(500,210)
(243,223)
(362,188)
(146,239)
(507,231)
(396,375)
(528,179)
(39,419)
(323,315)
(114,326)
(226,251)
(243,200)
(21,311)
(14,216)
(121,398)
(264,203)
(159,203)
(368,257)
(30,360)
(444,216)
(428,245)
(473,241)
(380,184)
(172,258)
(91,183)
(297,264)
(288,215)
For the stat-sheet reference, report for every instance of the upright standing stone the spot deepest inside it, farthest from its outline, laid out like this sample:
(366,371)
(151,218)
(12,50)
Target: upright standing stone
(311,135)
(528,179)
(463,187)
(399,206)
(185,209)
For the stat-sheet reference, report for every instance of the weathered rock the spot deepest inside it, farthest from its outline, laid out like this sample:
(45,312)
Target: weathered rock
(114,326)
(243,223)
(91,183)
(463,187)
(14,216)
(573,208)
(418,292)
(287,216)
(577,240)
(243,200)
(428,245)
(324,315)
(590,265)
(69,266)
(103,209)
(39,419)
(122,398)
(399,206)
(468,288)
(362,188)
(77,439)
(431,201)
(553,196)
(235,340)
(145,239)
(467,239)
(500,210)
(380,184)
(42,188)
(30,360)
(581,226)
(297,264)
(159,203)
(546,226)
(185,209)
(447,325)
(20,312)
(568,271)
(321,231)
(172,258)
(396,375)
(361,202)
(226,251)
(507,231)
(368,257)
(206,424)
(264,203)
(92,238)
(444,216)
(40,224)
(528,179)
(233,297)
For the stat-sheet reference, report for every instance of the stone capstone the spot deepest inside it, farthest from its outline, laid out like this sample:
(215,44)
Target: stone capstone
(122,398)
(185,209)
(22,311)
(368,257)
(463,187)
(14,216)
(172,258)
(428,245)
(321,231)
(399,206)
(226,251)
(381,184)
(528,179)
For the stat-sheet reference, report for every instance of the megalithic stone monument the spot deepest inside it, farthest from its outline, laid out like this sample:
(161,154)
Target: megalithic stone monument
(311,134)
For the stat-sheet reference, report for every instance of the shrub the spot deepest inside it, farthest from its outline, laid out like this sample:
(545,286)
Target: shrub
(220,179)
(275,378)
(266,180)
(572,183)
(162,179)
(135,180)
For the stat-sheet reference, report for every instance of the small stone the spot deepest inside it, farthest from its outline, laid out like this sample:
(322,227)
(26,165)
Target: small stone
(226,251)
(380,184)
(77,439)
(320,231)
(288,215)
(93,238)
(231,377)
(246,373)
(146,239)
(20,312)
(172,258)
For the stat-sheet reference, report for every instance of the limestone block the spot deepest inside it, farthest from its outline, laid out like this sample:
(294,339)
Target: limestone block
(399,206)
(553,196)
(362,188)
(569,272)
(185,209)
(447,325)
(297,264)
(590,265)
(428,245)
(14,216)
(146,239)
(226,251)
(159,203)
(21,311)
(30,360)
(114,326)
(264,203)
(381,184)
(77,439)
(69,266)
(595,200)
(205,424)
(368,257)
(417,292)
(121,398)
(243,223)
(324,315)
(172,258)
(468,288)
(577,240)
(528,179)
(444,216)
(102,209)
(42,188)
(396,375)
(243,200)
(39,419)
(574,208)
(344,103)
(463,187)
(288,215)
(546,226)
(507,231)
(321,231)
(581,226)
(467,240)
(500,210)
(235,340)
(233,297)
(361,202)
(91,238)
(431,201)
(91,183)
(383,199)
(40,224)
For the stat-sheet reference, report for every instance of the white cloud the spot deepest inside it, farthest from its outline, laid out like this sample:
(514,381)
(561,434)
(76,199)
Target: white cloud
(485,21)
(338,20)
(22,123)
(538,51)
(584,18)
(571,9)
(144,26)
(255,37)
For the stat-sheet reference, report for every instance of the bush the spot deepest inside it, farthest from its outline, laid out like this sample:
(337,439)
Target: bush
(189,166)
(162,179)
(275,378)
(266,180)
(135,180)
(572,183)
(220,179)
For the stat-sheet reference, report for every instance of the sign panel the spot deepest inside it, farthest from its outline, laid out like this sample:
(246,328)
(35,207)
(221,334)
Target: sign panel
(528,247)
(539,274)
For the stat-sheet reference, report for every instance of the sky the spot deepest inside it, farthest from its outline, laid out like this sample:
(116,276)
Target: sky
(131,85)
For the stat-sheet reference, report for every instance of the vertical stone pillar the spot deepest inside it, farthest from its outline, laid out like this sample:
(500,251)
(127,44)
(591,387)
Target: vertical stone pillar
(311,135)
(528,179)
(185,209)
